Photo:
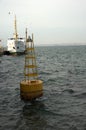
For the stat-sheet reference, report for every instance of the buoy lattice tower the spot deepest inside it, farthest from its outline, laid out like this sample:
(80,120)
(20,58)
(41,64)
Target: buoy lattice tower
(31,87)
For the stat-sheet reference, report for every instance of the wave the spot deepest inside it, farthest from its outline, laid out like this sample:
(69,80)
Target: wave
(81,95)
(71,91)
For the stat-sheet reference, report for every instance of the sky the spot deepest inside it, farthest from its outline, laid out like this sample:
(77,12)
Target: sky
(53,22)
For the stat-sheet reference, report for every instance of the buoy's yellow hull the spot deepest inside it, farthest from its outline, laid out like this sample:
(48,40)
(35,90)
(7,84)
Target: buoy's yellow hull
(30,90)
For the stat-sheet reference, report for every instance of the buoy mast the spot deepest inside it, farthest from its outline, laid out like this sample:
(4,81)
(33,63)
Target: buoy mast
(30,68)
(30,88)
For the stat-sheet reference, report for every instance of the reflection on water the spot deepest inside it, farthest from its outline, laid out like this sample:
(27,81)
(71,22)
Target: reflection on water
(33,115)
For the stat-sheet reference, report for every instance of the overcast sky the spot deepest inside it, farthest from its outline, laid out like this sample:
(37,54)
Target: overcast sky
(51,21)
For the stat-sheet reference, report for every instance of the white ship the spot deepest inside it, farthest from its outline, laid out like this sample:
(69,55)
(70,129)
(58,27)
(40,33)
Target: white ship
(1,49)
(16,45)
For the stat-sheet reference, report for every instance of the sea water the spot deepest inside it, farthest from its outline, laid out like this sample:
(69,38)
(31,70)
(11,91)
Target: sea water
(63,105)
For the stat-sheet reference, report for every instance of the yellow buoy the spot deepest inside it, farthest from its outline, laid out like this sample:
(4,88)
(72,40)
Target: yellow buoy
(31,87)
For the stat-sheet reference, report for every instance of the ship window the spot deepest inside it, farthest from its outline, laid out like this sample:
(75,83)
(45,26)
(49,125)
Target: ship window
(13,47)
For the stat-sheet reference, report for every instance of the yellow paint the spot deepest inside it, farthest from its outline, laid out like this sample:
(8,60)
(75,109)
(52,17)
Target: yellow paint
(28,57)
(30,86)
(30,66)
(28,49)
(30,90)
(31,74)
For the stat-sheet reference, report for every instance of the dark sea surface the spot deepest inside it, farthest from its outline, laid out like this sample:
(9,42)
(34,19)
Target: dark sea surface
(63,105)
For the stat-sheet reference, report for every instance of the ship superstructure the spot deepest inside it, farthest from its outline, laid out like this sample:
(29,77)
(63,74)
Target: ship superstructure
(16,44)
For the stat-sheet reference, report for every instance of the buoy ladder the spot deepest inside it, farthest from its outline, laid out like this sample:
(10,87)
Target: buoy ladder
(30,68)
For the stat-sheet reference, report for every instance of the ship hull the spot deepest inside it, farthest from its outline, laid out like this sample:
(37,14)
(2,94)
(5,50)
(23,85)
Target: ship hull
(14,53)
(15,47)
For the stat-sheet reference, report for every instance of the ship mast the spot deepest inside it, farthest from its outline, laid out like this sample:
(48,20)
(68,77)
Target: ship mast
(15,27)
